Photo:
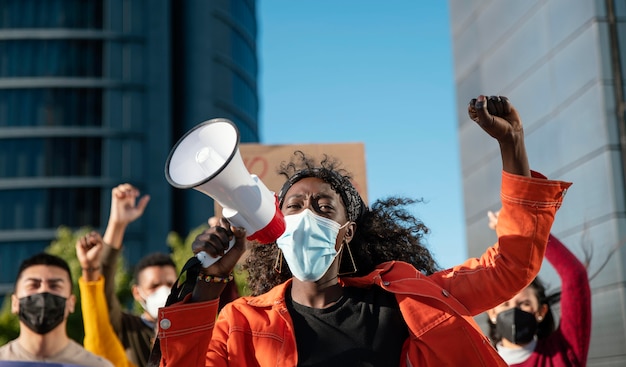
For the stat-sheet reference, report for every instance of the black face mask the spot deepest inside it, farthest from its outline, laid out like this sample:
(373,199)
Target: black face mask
(42,312)
(516,326)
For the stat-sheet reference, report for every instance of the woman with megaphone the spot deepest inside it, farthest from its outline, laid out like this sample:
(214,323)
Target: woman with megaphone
(348,285)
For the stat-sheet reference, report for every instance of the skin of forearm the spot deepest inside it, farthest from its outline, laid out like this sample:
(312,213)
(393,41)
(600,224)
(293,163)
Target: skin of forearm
(515,159)
(114,234)
(207,291)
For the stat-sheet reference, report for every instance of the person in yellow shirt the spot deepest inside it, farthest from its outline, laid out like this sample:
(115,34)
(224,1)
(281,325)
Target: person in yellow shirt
(100,338)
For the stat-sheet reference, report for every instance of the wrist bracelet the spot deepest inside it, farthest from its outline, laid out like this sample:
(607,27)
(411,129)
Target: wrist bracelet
(215,278)
(91,270)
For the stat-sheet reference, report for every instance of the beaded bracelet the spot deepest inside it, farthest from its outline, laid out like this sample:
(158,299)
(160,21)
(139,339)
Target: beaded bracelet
(91,269)
(216,278)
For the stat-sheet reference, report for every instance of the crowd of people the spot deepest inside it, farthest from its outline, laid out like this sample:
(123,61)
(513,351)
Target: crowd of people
(346,284)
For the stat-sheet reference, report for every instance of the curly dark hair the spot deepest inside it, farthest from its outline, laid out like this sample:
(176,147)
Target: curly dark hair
(544,328)
(385,232)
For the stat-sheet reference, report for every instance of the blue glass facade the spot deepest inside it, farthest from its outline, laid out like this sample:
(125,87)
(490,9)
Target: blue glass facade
(45,95)
(216,63)
(95,93)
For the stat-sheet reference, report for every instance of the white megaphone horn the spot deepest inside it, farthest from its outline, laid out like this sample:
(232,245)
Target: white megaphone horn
(207,159)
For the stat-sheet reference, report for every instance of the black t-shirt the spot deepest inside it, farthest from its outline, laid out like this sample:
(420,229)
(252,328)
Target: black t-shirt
(364,328)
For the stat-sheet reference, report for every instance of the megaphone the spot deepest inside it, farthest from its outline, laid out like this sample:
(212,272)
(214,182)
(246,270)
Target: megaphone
(207,159)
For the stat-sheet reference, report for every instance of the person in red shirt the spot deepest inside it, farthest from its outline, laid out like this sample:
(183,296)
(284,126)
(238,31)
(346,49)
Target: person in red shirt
(523,328)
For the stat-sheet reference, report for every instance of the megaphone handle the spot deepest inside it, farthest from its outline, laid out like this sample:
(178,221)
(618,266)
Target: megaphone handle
(207,260)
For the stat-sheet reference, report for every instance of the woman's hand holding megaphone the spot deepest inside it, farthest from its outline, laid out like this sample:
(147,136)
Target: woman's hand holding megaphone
(215,242)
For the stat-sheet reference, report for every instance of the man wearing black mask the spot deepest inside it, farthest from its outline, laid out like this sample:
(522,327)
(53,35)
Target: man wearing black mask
(43,300)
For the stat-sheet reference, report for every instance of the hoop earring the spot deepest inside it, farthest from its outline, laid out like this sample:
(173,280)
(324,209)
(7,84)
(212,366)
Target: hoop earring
(278,264)
(354,268)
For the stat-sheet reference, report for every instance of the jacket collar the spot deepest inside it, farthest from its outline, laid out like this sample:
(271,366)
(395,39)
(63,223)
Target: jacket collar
(383,274)
(276,295)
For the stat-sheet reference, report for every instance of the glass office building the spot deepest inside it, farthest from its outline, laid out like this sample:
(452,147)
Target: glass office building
(561,63)
(96,93)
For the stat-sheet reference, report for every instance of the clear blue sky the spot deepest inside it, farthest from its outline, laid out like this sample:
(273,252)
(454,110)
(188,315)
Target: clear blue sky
(376,72)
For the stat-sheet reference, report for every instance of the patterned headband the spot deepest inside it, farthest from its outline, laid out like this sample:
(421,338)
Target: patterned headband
(341,184)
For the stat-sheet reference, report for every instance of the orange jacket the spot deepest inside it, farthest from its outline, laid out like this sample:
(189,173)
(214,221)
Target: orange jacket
(438,309)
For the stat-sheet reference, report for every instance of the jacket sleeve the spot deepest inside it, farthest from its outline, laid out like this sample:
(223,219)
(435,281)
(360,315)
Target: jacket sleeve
(185,330)
(575,320)
(529,205)
(110,258)
(100,338)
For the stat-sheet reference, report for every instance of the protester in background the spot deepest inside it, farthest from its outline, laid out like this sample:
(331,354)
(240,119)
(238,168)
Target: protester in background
(153,277)
(100,338)
(523,328)
(348,285)
(43,300)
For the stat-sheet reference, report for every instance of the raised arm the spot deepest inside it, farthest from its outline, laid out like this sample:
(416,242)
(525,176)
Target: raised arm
(575,320)
(529,204)
(100,338)
(125,209)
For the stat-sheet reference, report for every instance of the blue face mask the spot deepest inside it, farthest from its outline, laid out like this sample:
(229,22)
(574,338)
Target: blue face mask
(308,244)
